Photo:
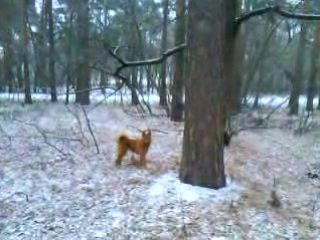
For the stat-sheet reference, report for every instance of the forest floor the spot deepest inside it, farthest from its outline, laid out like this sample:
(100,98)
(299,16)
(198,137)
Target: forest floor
(54,184)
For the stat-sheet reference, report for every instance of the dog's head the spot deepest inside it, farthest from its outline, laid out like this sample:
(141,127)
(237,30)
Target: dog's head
(146,135)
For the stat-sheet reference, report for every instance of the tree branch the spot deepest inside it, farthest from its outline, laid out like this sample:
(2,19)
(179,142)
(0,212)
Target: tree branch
(125,64)
(277,10)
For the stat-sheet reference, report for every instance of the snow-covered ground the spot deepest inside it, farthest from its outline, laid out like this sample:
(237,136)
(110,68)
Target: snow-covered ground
(124,96)
(55,185)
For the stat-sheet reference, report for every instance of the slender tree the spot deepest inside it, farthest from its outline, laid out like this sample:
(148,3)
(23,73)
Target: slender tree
(25,53)
(163,73)
(52,71)
(177,86)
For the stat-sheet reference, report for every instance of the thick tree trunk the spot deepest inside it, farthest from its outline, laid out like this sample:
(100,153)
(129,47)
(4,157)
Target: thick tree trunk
(297,79)
(163,72)
(83,69)
(210,27)
(52,71)
(237,81)
(314,68)
(177,108)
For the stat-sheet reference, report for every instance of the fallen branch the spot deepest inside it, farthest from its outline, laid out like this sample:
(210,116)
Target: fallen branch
(13,194)
(77,117)
(276,108)
(43,134)
(90,129)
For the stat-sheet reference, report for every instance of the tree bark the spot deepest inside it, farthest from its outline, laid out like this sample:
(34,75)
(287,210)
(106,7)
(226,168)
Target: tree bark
(41,59)
(25,57)
(52,71)
(8,55)
(237,81)
(163,72)
(210,29)
(83,69)
(297,79)
(314,67)
(177,108)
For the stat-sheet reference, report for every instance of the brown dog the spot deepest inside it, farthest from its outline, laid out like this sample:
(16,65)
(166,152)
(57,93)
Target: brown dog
(139,146)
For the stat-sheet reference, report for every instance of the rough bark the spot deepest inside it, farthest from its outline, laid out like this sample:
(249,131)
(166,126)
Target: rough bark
(177,108)
(83,69)
(238,79)
(210,27)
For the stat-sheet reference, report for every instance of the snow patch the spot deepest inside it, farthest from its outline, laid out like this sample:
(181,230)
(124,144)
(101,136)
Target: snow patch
(169,184)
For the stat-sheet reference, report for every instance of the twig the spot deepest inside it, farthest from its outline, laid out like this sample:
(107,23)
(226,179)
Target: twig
(90,129)
(276,108)
(314,205)
(13,194)
(44,136)
(48,137)
(6,135)
(77,117)
(184,225)
(152,129)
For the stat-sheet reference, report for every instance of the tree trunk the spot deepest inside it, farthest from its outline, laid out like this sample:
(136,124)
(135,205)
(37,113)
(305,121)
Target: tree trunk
(238,69)
(8,58)
(297,79)
(177,108)
(25,57)
(19,74)
(134,81)
(83,70)
(69,57)
(163,72)
(41,59)
(313,68)
(52,71)
(210,27)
